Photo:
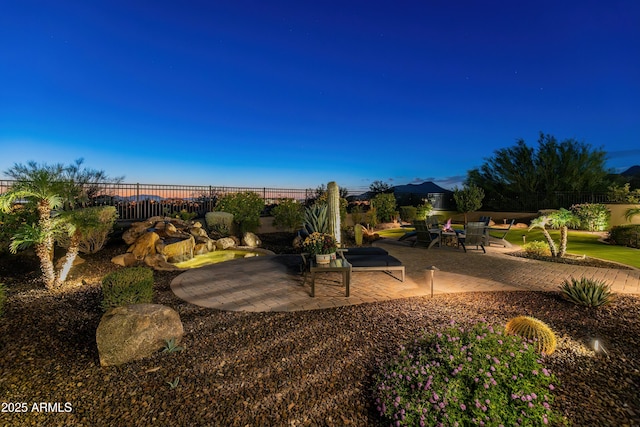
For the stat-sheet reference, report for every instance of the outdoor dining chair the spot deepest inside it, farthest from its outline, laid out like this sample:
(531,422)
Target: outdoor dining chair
(474,235)
(424,236)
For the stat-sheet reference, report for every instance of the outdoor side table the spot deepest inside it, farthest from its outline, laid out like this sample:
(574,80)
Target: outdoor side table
(337,265)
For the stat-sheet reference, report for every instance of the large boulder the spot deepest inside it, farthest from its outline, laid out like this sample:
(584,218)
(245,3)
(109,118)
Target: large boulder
(125,260)
(158,262)
(135,332)
(144,245)
(180,250)
(136,230)
(251,240)
(225,243)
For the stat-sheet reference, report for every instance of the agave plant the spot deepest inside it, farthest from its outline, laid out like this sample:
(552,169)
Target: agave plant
(316,219)
(588,292)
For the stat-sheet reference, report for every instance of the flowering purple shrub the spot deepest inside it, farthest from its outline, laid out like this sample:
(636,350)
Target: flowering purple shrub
(466,376)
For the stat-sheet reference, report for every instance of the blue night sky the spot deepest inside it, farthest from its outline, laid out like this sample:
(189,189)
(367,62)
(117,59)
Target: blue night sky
(299,93)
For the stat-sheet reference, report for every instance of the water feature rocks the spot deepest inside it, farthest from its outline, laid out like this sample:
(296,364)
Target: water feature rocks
(251,240)
(180,250)
(135,332)
(225,243)
(144,245)
(125,260)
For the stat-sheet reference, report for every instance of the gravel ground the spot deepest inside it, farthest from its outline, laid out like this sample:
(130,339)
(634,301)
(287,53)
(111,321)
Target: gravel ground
(277,369)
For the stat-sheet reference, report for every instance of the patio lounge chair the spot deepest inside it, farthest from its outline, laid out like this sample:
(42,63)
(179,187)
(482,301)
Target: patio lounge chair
(499,235)
(474,235)
(372,259)
(425,236)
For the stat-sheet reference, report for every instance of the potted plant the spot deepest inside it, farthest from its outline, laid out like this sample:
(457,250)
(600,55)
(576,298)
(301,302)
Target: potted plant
(323,246)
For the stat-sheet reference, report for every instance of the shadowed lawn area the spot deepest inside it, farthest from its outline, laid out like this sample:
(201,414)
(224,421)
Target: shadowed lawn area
(579,243)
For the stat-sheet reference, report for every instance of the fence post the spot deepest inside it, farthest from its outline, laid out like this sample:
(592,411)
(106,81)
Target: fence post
(137,200)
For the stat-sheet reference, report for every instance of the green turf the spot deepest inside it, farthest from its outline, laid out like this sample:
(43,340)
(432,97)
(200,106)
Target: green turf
(579,243)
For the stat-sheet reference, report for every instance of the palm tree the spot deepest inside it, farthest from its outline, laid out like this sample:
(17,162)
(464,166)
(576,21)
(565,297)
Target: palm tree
(563,219)
(542,222)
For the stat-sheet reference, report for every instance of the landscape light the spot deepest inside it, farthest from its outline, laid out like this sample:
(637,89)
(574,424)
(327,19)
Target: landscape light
(430,271)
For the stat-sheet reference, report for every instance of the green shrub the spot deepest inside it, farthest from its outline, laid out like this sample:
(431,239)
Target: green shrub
(408,213)
(466,376)
(93,226)
(623,194)
(385,206)
(625,235)
(588,292)
(11,222)
(133,285)
(371,217)
(220,223)
(536,248)
(288,214)
(3,298)
(592,216)
(423,211)
(358,215)
(245,207)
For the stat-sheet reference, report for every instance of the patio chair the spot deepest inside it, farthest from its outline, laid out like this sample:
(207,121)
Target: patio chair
(499,235)
(474,235)
(425,236)
(485,219)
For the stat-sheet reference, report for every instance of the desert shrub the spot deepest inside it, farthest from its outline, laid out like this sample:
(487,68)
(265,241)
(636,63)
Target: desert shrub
(358,215)
(93,226)
(385,206)
(464,376)
(245,207)
(288,214)
(536,248)
(592,216)
(625,235)
(220,223)
(532,329)
(588,292)
(423,211)
(3,298)
(371,217)
(623,194)
(408,213)
(133,285)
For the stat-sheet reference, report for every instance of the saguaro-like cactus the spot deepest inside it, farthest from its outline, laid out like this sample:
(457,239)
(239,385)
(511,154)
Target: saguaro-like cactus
(333,203)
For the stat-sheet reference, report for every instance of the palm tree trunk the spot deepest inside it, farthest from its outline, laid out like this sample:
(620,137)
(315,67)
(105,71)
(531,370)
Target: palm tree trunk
(564,231)
(45,248)
(70,257)
(551,243)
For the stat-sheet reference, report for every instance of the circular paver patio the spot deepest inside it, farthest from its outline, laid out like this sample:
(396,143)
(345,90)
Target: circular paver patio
(274,283)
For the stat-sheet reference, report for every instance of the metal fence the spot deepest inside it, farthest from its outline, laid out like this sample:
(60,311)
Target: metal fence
(138,201)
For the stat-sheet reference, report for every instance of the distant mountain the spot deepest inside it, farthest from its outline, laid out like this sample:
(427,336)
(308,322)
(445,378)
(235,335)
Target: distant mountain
(424,188)
(632,171)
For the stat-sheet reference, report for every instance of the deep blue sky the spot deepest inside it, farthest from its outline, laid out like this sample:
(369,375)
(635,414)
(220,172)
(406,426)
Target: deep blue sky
(299,93)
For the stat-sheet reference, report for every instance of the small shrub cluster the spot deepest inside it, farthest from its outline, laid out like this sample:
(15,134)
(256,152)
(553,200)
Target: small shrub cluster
(246,208)
(358,215)
(592,216)
(219,223)
(93,226)
(385,207)
(3,298)
(408,213)
(536,248)
(423,211)
(133,285)
(625,235)
(466,376)
(587,292)
(288,214)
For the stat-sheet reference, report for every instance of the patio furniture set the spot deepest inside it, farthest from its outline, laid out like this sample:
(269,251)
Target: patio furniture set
(427,233)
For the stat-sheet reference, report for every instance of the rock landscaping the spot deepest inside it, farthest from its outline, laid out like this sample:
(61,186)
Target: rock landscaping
(278,369)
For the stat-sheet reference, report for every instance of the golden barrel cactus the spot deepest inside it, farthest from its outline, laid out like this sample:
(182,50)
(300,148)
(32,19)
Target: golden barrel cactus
(533,329)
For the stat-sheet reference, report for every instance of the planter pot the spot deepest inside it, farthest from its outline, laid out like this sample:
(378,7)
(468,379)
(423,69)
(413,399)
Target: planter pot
(324,258)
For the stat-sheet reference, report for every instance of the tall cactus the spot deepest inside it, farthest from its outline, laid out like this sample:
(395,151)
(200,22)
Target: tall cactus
(333,203)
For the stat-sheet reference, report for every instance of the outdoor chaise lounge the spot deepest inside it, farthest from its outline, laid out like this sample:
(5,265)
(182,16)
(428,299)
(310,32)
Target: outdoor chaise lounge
(372,259)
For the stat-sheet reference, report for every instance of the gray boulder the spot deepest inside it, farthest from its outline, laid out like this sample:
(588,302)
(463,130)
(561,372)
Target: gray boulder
(135,332)
(251,240)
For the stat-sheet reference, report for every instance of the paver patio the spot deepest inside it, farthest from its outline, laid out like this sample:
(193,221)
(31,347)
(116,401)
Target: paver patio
(273,283)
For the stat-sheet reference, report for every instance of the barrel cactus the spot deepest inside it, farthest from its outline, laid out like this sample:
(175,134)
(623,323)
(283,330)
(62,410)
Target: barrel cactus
(533,329)
(333,204)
